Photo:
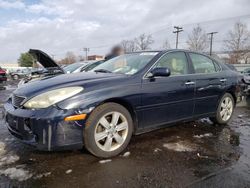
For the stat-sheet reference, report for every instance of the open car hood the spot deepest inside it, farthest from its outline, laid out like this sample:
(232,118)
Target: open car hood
(44,59)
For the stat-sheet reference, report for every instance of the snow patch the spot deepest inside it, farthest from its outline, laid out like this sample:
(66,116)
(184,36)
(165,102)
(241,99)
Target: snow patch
(126,154)
(203,135)
(39,176)
(9,160)
(68,171)
(105,161)
(181,146)
(2,149)
(16,174)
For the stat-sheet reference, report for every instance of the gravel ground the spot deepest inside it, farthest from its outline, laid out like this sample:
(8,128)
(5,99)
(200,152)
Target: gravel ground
(195,154)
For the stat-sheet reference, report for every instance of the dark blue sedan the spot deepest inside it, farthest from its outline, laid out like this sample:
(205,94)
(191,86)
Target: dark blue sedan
(129,94)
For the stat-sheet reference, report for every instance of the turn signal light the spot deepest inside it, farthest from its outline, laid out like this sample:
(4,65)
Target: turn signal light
(75,117)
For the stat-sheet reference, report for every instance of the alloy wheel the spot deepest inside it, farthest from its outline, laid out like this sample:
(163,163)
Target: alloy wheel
(226,109)
(111,131)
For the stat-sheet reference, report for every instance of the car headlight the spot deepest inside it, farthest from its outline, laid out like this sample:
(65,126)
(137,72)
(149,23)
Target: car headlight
(49,98)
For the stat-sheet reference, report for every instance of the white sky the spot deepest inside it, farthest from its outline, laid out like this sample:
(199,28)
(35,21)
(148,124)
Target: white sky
(59,26)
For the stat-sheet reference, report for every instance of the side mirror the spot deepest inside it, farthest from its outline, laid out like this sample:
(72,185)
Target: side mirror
(159,71)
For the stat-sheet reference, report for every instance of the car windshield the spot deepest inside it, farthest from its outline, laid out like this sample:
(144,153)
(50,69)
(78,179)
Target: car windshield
(246,72)
(126,64)
(91,66)
(71,68)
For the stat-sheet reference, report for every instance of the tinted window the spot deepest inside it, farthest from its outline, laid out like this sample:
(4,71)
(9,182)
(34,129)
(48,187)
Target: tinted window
(175,61)
(202,64)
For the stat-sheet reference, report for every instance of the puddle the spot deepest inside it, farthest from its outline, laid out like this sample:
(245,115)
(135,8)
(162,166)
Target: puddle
(181,146)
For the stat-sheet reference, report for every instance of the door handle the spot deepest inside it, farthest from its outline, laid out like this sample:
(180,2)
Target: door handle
(223,80)
(189,83)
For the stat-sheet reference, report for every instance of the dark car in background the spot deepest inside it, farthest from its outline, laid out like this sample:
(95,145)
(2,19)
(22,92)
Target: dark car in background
(130,94)
(3,77)
(246,74)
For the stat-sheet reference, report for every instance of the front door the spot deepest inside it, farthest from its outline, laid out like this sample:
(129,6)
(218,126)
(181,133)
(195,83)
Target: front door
(168,99)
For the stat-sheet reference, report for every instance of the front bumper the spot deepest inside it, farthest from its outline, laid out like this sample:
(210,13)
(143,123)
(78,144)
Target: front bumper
(2,83)
(44,129)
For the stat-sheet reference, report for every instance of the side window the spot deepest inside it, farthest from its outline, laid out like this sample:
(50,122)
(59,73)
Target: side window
(202,64)
(217,67)
(175,61)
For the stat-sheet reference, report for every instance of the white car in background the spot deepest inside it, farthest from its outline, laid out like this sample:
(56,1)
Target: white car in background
(77,67)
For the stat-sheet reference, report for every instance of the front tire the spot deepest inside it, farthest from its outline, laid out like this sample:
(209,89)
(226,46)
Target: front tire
(108,130)
(225,110)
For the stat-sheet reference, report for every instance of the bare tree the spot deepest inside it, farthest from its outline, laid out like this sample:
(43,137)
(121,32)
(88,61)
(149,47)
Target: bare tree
(81,58)
(143,42)
(197,40)
(238,42)
(166,45)
(128,45)
(69,59)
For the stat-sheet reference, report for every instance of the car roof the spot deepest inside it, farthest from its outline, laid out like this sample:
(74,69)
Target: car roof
(169,50)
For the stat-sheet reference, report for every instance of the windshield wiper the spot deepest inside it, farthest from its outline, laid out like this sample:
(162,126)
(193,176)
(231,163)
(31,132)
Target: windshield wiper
(103,71)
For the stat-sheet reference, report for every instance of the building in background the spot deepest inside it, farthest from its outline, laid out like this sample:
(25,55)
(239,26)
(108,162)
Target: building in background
(95,57)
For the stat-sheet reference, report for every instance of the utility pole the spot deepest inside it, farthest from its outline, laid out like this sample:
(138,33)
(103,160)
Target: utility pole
(211,41)
(86,53)
(177,31)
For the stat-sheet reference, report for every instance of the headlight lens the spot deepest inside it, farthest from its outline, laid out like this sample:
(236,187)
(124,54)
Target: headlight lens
(49,98)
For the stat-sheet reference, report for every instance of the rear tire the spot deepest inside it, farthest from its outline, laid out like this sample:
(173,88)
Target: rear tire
(225,110)
(108,130)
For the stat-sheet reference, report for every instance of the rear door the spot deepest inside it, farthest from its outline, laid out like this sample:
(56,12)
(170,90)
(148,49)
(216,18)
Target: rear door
(210,83)
(168,99)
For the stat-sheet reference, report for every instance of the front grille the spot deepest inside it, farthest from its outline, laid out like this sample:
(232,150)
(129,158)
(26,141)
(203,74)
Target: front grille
(17,100)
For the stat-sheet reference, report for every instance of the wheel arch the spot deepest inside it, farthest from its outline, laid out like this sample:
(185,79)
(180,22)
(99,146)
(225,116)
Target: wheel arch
(232,91)
(126,105)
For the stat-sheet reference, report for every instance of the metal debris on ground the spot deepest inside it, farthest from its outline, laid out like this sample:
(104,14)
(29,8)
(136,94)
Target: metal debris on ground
(203,135)
(126,154)
(105,161)
(68,171)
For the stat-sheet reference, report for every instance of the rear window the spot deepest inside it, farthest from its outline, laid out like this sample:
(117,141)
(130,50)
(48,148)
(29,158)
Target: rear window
(202,64)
